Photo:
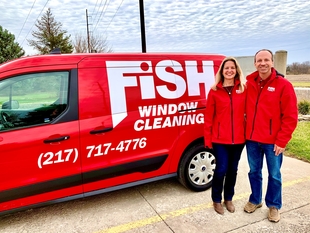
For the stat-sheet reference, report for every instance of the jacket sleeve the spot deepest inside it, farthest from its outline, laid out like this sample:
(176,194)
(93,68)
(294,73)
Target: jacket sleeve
(208,119)
(289,115)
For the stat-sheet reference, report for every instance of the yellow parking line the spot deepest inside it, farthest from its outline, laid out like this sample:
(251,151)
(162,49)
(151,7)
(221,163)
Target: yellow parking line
(180,212)
(290,183)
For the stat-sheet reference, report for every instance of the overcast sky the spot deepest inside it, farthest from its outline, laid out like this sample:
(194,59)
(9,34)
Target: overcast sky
(229,27)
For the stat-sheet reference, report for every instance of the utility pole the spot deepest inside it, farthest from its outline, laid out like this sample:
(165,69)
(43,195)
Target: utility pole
(142,26)
(88,45)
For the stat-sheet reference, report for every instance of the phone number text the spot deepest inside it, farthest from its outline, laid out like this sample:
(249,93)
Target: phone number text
(104,149)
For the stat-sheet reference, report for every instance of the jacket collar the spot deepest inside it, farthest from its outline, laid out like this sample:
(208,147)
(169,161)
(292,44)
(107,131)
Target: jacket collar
(252,77)
(220,84)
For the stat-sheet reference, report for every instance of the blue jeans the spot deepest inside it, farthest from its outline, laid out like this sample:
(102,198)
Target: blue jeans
(225,174)
(255,153)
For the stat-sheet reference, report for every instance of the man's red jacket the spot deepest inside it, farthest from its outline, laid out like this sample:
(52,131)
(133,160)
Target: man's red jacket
(224,116)
(271,113)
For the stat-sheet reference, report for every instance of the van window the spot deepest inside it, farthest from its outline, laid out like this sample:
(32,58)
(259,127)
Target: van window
(32,99)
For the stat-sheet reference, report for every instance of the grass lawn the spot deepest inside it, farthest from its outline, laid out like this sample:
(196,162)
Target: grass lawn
(299,146)
(301,84)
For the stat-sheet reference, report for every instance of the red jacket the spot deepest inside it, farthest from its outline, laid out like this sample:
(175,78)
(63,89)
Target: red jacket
(224,116)
(271,114)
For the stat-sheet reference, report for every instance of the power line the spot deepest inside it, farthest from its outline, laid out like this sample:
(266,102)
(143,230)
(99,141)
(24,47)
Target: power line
(95,7)
(105,4)
(113,16)
(34,22)
(94,18)
(26,19)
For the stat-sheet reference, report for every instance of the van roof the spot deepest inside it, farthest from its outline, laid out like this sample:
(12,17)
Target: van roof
(75,58)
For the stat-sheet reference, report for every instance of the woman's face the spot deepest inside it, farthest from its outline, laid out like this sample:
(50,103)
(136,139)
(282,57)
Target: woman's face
(229,70)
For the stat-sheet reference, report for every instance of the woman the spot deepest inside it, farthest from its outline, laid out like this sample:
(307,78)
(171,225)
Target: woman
(224,130)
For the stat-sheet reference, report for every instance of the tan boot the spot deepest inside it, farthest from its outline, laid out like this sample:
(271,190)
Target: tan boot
(218,208)
(273,215)
(250,207)
(229,206)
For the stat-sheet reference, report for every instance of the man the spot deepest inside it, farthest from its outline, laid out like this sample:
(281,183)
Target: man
(272,116)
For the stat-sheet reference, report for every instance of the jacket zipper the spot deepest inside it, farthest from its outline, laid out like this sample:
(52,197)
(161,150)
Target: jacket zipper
(260,91)
(253,123)
(232,118)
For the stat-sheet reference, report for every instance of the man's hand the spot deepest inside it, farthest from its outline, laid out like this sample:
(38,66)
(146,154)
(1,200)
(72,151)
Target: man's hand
(278,150)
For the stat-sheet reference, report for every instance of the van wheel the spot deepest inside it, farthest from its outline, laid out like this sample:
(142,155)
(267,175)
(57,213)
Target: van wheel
(196,168)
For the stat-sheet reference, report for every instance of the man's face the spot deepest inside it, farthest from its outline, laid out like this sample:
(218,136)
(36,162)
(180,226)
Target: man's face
(263,62)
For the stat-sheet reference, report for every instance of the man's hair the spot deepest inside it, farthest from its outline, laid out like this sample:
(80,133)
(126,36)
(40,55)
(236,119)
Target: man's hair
(263,50)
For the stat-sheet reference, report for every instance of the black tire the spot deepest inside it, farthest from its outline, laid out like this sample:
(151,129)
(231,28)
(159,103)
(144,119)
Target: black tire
(196,168)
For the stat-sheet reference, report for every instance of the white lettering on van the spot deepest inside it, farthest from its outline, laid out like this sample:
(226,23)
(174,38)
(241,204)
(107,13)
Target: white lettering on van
(170,78)
(168,121)
(166,109)
(155,120)
(126,74)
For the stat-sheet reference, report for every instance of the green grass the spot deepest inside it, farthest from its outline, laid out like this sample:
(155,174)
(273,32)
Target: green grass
(33,98)
(299,146)
(301,84)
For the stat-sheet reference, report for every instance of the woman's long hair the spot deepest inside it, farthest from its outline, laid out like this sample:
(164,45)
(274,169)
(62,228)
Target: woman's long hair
(219,77)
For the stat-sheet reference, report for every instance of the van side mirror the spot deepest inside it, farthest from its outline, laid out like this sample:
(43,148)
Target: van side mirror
(13,104)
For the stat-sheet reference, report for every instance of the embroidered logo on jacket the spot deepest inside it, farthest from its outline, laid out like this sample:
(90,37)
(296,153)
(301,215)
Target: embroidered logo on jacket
(271,89)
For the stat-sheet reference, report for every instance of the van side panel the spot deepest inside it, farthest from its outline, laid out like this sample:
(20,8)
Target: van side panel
(126,132)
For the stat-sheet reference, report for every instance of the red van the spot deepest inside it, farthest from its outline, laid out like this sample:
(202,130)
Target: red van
(76,125)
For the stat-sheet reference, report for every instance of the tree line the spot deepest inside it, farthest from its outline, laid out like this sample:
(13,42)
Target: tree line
(49,36)
(298,68)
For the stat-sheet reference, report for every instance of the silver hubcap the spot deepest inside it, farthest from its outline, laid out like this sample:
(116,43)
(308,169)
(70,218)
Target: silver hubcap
(201,168)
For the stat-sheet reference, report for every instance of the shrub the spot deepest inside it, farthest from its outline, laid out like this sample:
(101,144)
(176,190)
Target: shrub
(304,107)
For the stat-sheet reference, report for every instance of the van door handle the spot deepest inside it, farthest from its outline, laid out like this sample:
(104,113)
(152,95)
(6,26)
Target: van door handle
(62,138)
(97,131)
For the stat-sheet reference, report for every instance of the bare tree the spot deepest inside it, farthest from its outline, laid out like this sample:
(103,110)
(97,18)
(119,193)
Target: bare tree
(299,68)
(79,44)
(97,44)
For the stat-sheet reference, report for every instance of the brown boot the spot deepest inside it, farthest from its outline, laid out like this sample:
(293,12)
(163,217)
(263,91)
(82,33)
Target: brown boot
(229,206)
(218,207)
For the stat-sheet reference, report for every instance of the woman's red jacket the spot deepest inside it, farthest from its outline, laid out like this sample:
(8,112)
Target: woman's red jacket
(224,116)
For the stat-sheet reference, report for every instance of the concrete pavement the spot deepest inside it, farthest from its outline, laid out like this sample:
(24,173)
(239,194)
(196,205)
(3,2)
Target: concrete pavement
(166,207)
